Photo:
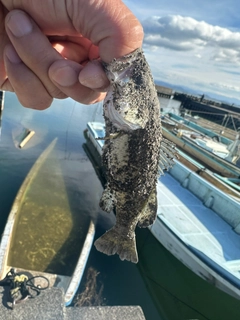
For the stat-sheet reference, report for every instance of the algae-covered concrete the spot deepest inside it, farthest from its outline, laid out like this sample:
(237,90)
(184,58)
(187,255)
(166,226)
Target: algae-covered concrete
(49,305)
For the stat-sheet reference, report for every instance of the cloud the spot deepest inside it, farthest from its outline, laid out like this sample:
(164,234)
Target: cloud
(224,86)
(194,54)
(180,33)
(232,72)
(216,12)
(227,55)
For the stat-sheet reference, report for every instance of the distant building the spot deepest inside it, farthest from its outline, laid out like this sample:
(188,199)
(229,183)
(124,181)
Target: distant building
(167,103)
(220,113)
(164,91)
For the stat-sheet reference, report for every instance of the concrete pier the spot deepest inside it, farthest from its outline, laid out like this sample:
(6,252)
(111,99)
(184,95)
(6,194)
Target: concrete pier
(49,305)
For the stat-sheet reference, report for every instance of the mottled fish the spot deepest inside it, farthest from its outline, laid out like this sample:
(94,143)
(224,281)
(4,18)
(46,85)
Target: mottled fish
(132,152)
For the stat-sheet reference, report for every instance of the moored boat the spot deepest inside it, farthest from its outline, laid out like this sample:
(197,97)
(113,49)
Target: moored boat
(215,141)
(45,237)
(192,123)
(228,185)
(200,225)
(205,157)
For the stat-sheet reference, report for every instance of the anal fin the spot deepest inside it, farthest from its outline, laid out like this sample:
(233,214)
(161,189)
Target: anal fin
(149,212)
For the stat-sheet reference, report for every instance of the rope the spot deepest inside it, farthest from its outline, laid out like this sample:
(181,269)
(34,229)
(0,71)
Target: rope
(37,288)
(20,286)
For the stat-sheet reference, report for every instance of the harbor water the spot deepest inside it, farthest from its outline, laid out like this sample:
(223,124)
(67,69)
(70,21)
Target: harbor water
(108,281)
(177,294)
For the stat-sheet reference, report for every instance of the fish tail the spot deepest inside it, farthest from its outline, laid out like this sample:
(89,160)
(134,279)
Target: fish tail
(115,242)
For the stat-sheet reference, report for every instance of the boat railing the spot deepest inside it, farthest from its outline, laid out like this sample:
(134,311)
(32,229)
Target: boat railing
(199,128)
(213,198)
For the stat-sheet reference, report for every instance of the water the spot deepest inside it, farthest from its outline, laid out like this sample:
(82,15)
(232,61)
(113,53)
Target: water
(178,293)
(65,121)
(49,234)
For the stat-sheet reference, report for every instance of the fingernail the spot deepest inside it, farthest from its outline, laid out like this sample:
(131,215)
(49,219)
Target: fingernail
(12,54)
(65,76)
(94,82)
(19,24)
(93,76)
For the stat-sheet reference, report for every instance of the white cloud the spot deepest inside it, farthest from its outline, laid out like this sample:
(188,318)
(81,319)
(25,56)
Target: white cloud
(193,44)
(180,33)
(216,12)
(225,86)
(227,55)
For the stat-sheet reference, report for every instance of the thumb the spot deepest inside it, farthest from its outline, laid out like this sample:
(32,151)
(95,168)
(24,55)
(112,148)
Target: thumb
(110,25)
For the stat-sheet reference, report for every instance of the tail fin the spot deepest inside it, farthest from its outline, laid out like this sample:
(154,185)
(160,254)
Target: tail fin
(113,241)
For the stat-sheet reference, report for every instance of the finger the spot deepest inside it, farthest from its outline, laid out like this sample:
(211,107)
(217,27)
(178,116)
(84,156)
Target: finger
(33,48)
(3,41)
(64,74)
(28,88)
(93,76)
(7,86)
(73,48)
(109,24)
(71,51)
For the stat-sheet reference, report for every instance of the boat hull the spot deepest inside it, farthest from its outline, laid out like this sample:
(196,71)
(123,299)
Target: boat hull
(177,292)
(198,263)
(44,235)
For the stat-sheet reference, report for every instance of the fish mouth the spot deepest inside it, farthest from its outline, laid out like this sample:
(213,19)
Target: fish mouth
(117,117)
(121,115)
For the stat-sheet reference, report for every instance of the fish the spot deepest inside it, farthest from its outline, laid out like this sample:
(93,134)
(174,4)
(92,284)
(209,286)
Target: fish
(134,153)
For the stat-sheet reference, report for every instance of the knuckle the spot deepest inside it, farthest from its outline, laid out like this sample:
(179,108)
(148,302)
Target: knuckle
(57,94)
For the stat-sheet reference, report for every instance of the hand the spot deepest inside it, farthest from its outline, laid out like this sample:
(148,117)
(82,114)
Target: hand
(51,49)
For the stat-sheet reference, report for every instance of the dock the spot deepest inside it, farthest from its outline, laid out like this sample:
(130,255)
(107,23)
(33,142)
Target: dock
(49,305)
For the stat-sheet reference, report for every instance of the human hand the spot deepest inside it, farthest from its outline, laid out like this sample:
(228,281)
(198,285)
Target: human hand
(46,51)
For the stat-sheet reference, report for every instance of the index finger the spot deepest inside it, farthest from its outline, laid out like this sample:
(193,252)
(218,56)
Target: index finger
(24,33)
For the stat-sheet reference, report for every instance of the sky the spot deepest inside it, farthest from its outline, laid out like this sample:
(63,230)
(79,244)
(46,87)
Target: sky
(193,45)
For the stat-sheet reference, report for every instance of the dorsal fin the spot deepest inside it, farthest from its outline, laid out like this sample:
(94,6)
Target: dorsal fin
(168,154)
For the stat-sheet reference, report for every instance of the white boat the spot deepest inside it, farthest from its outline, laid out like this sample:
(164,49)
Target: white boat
(96,130)
(199,224)
(205,142)
(44,238)
(203,156)
(208,140)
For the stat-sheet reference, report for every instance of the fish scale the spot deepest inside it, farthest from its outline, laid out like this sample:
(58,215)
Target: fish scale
(131,153)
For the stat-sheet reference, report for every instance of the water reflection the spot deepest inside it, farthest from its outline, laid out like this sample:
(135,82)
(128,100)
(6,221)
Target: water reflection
(51,229)
(66,120)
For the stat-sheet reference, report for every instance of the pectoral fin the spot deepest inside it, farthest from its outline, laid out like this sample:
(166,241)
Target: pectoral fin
(107,201)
